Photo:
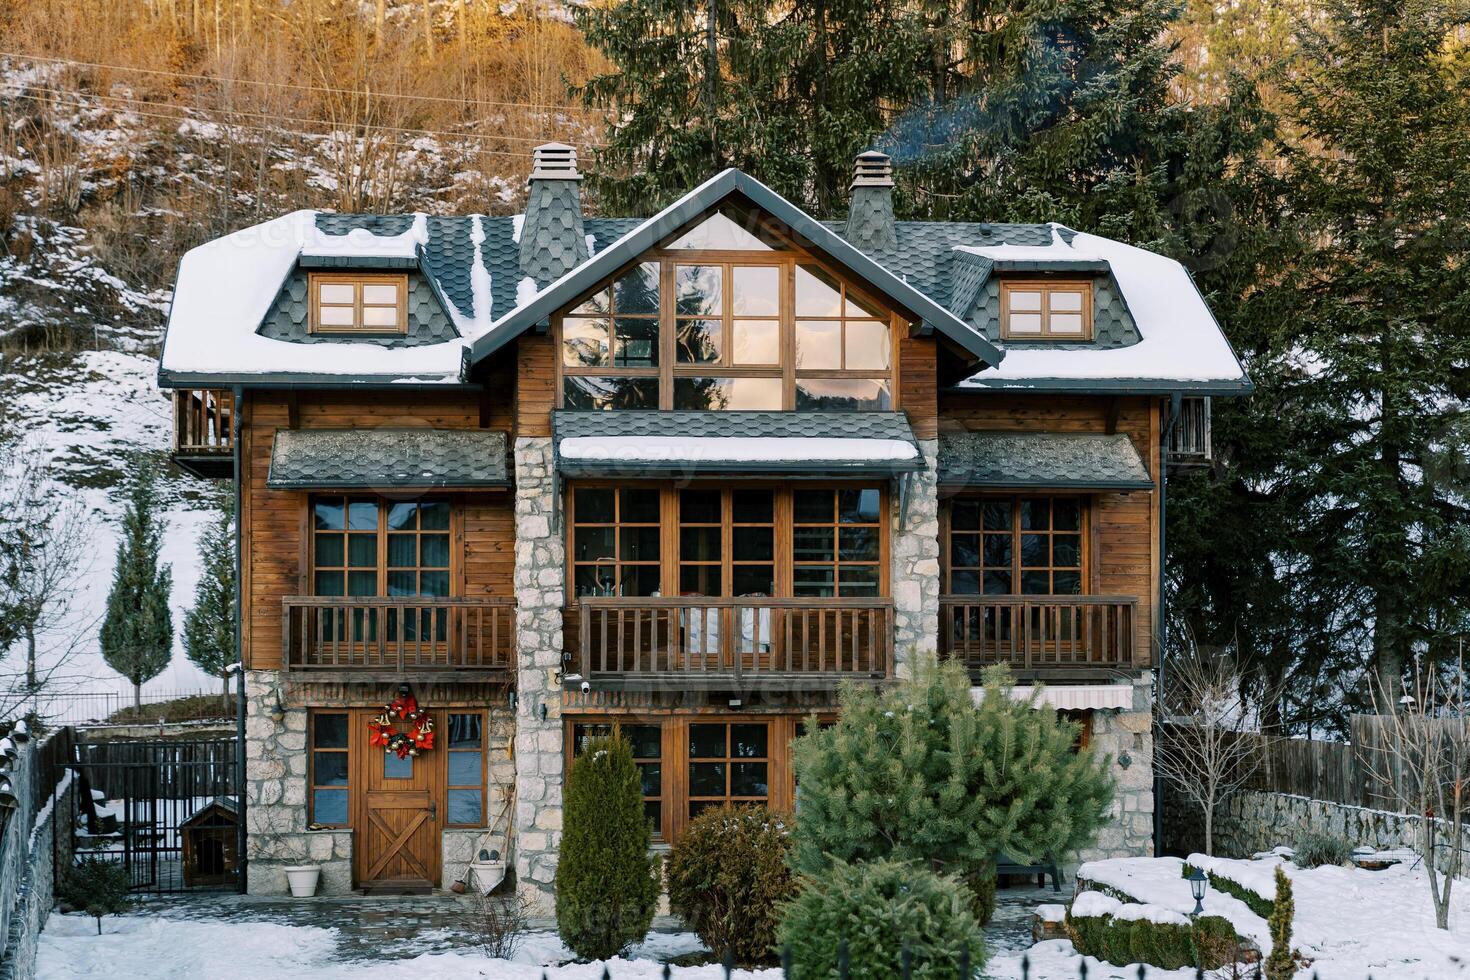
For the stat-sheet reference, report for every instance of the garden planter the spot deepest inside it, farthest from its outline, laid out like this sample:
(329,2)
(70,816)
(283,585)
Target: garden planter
(303,878)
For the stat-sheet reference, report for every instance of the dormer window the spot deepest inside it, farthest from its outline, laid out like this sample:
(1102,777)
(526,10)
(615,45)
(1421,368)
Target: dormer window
(359,304)
(1046,310)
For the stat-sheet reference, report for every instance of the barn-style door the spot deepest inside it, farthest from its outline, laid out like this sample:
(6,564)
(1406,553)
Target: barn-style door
(398,844)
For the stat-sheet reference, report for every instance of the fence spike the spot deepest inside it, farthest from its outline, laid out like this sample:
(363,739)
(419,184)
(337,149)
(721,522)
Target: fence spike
(668,971)
(1141,972)
(786,962)
(1082,970)
(906,961)
(728,962)
(606,975)
(842,963)
(966,973)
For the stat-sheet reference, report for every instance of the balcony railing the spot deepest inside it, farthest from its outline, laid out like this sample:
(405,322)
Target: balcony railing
(698,642)
(433,638)
(1038,632)
(204,430)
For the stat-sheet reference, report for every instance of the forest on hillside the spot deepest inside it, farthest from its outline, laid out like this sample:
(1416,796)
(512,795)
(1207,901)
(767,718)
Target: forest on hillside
(1305,159)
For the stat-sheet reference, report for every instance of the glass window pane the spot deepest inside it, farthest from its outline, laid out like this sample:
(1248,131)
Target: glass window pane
(1067,583)
(1036,514)
(335,316)
(603,394)
(816,581)
(645,741)
(998,583)
(700,580)
(1033,551)
(402,550)
(329,768)
(858,580)
(434,550)
(329,806)
(464,768)
(699,290)
(635,342)
(819,344)
(707,741)
(814,506)
(464,806)
(595,507)
(593,580)
(756,341)
(1066,513)
(964,515)
(752,506)
(1067,323)
(651,776)
(858,506)
(598,302)
(434,515)
(434,584)
(329,550)
(403,583)
(362,515)
(706,779)
(811,543)
(1066,301)
(1025,323)
(843,395)
(1066,551)
(639,580)
(396,768)
(753,580)
(749,779)
(756,290)
(699,506)
(380,316)
(727,394)
(465,731)
(998,551)
(748,741)
(329,731)
(380,293)
(638,506)
(817,293)
(328,515)
(1035,583)
(964,551)
(867,345)
(699,544)
(327,583)
(593,543)
(1028,300)
(699,341)
(719,231)
(337,292)
(362,583)
(584,733)
(851,307)
(964,583)
(362,550)
(402,517)
(997,515)
(654,811)
(584,342)
(636,291)
(753,544)
(858,544)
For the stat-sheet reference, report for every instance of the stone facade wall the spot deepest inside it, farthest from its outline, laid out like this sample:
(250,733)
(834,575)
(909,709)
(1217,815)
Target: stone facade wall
(914,563)
(275,798)
(1129,831)
(32,847)
(540,576)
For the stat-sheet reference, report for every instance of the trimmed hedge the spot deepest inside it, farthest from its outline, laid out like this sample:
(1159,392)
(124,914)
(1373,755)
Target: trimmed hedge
(728,879)
(1209,941)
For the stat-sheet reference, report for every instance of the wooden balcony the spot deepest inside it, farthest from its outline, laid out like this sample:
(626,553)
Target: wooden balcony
(1039,635)
(204,431)
(698,643)
(1189,439)
(329,638)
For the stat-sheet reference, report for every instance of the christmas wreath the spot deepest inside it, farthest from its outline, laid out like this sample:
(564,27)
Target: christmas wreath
(419,735)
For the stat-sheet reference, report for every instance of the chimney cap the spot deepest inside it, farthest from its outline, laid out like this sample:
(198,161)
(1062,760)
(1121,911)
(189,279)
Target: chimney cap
(554,161)
(872,168)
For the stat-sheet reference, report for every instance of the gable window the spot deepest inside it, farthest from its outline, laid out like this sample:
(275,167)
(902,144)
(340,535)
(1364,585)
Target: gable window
(1052,310)
(358,304)
(726,318)
(1016,546)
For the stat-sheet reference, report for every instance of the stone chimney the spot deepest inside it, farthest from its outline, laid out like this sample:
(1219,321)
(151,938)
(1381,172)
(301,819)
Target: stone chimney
(870,224)
(552,240)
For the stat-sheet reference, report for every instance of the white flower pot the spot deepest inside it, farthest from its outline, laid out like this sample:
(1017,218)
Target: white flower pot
(303,878)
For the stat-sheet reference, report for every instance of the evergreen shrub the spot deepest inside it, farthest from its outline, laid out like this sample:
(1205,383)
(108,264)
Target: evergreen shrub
(1281,965)
(606,885)
(1313,850)
(728,879)
(877,910)
(97,887)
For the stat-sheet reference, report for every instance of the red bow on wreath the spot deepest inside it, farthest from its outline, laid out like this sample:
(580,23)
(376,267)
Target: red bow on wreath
(420,735)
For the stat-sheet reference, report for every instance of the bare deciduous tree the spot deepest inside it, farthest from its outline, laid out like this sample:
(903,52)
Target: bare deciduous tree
(1422,752)
(1207,746)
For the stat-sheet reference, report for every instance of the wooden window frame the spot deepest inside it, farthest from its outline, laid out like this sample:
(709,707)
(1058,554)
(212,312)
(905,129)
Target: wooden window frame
(616,562)
(1083,532)
(783,514)
(484,750)
(312,750)
(668,371)
(729,761)
(1045,287)
(455,532)
(315,282)
(837,563)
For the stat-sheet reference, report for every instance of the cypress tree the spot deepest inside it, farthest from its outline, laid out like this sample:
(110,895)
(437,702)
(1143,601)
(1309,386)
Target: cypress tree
(209,625)
(137,634)
(1280,965)
(606,885)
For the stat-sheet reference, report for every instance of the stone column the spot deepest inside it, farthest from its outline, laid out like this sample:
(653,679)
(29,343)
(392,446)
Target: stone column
(1129,831)
(914,563)
(540,573)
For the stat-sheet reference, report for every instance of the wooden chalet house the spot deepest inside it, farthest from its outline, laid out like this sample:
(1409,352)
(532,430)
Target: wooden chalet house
(680,475)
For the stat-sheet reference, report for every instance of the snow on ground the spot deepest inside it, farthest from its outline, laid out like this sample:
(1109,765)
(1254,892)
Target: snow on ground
(88,414)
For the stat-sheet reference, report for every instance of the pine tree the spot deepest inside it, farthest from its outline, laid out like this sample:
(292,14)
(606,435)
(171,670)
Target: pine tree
(920,773)
(606,886)
(1280,965)
(137,634)
(209,626)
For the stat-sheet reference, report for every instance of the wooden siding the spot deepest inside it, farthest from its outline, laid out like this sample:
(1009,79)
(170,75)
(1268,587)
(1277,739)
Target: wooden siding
(536,381)
(1124,545)
(274,523)
(918,390)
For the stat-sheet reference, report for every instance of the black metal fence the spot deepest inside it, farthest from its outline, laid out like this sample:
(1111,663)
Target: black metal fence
(146,793)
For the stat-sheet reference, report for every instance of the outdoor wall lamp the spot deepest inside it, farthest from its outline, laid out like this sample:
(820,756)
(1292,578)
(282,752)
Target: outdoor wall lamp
(7,749)
(1125,760)
(1198,884)
(7,794)
(278,711)
(21,732)
(543,710)
(512,700)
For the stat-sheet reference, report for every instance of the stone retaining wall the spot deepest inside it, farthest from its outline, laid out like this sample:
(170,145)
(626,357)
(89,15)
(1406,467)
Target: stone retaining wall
(32,847)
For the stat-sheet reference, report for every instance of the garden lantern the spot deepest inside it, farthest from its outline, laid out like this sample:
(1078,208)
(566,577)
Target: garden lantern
(1198,883)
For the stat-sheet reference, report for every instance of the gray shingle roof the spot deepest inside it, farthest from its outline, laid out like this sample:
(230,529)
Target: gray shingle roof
(776,426)
(409,458)
(1051,460)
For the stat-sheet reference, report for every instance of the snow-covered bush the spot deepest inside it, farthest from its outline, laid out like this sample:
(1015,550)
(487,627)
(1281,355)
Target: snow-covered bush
(1313,850)
(728,879)
(877,910)
(1128,932)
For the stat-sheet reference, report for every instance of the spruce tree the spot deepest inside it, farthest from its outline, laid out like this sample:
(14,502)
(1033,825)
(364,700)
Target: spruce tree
(209,625)
(921,773)
(606,885)
(137,634)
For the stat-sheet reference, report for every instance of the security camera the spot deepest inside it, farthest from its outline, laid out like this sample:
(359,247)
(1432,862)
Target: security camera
(586,688)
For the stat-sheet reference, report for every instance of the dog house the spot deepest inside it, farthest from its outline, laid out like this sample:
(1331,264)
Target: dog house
(211,844)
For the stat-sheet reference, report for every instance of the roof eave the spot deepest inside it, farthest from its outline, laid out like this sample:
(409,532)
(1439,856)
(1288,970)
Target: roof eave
(1105,386)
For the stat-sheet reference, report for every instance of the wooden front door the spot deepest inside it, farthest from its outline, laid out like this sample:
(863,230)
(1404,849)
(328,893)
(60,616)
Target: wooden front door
(397,847)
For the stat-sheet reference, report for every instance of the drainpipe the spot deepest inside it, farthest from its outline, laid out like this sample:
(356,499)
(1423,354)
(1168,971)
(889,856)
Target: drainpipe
(239,396)
(1175,401)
